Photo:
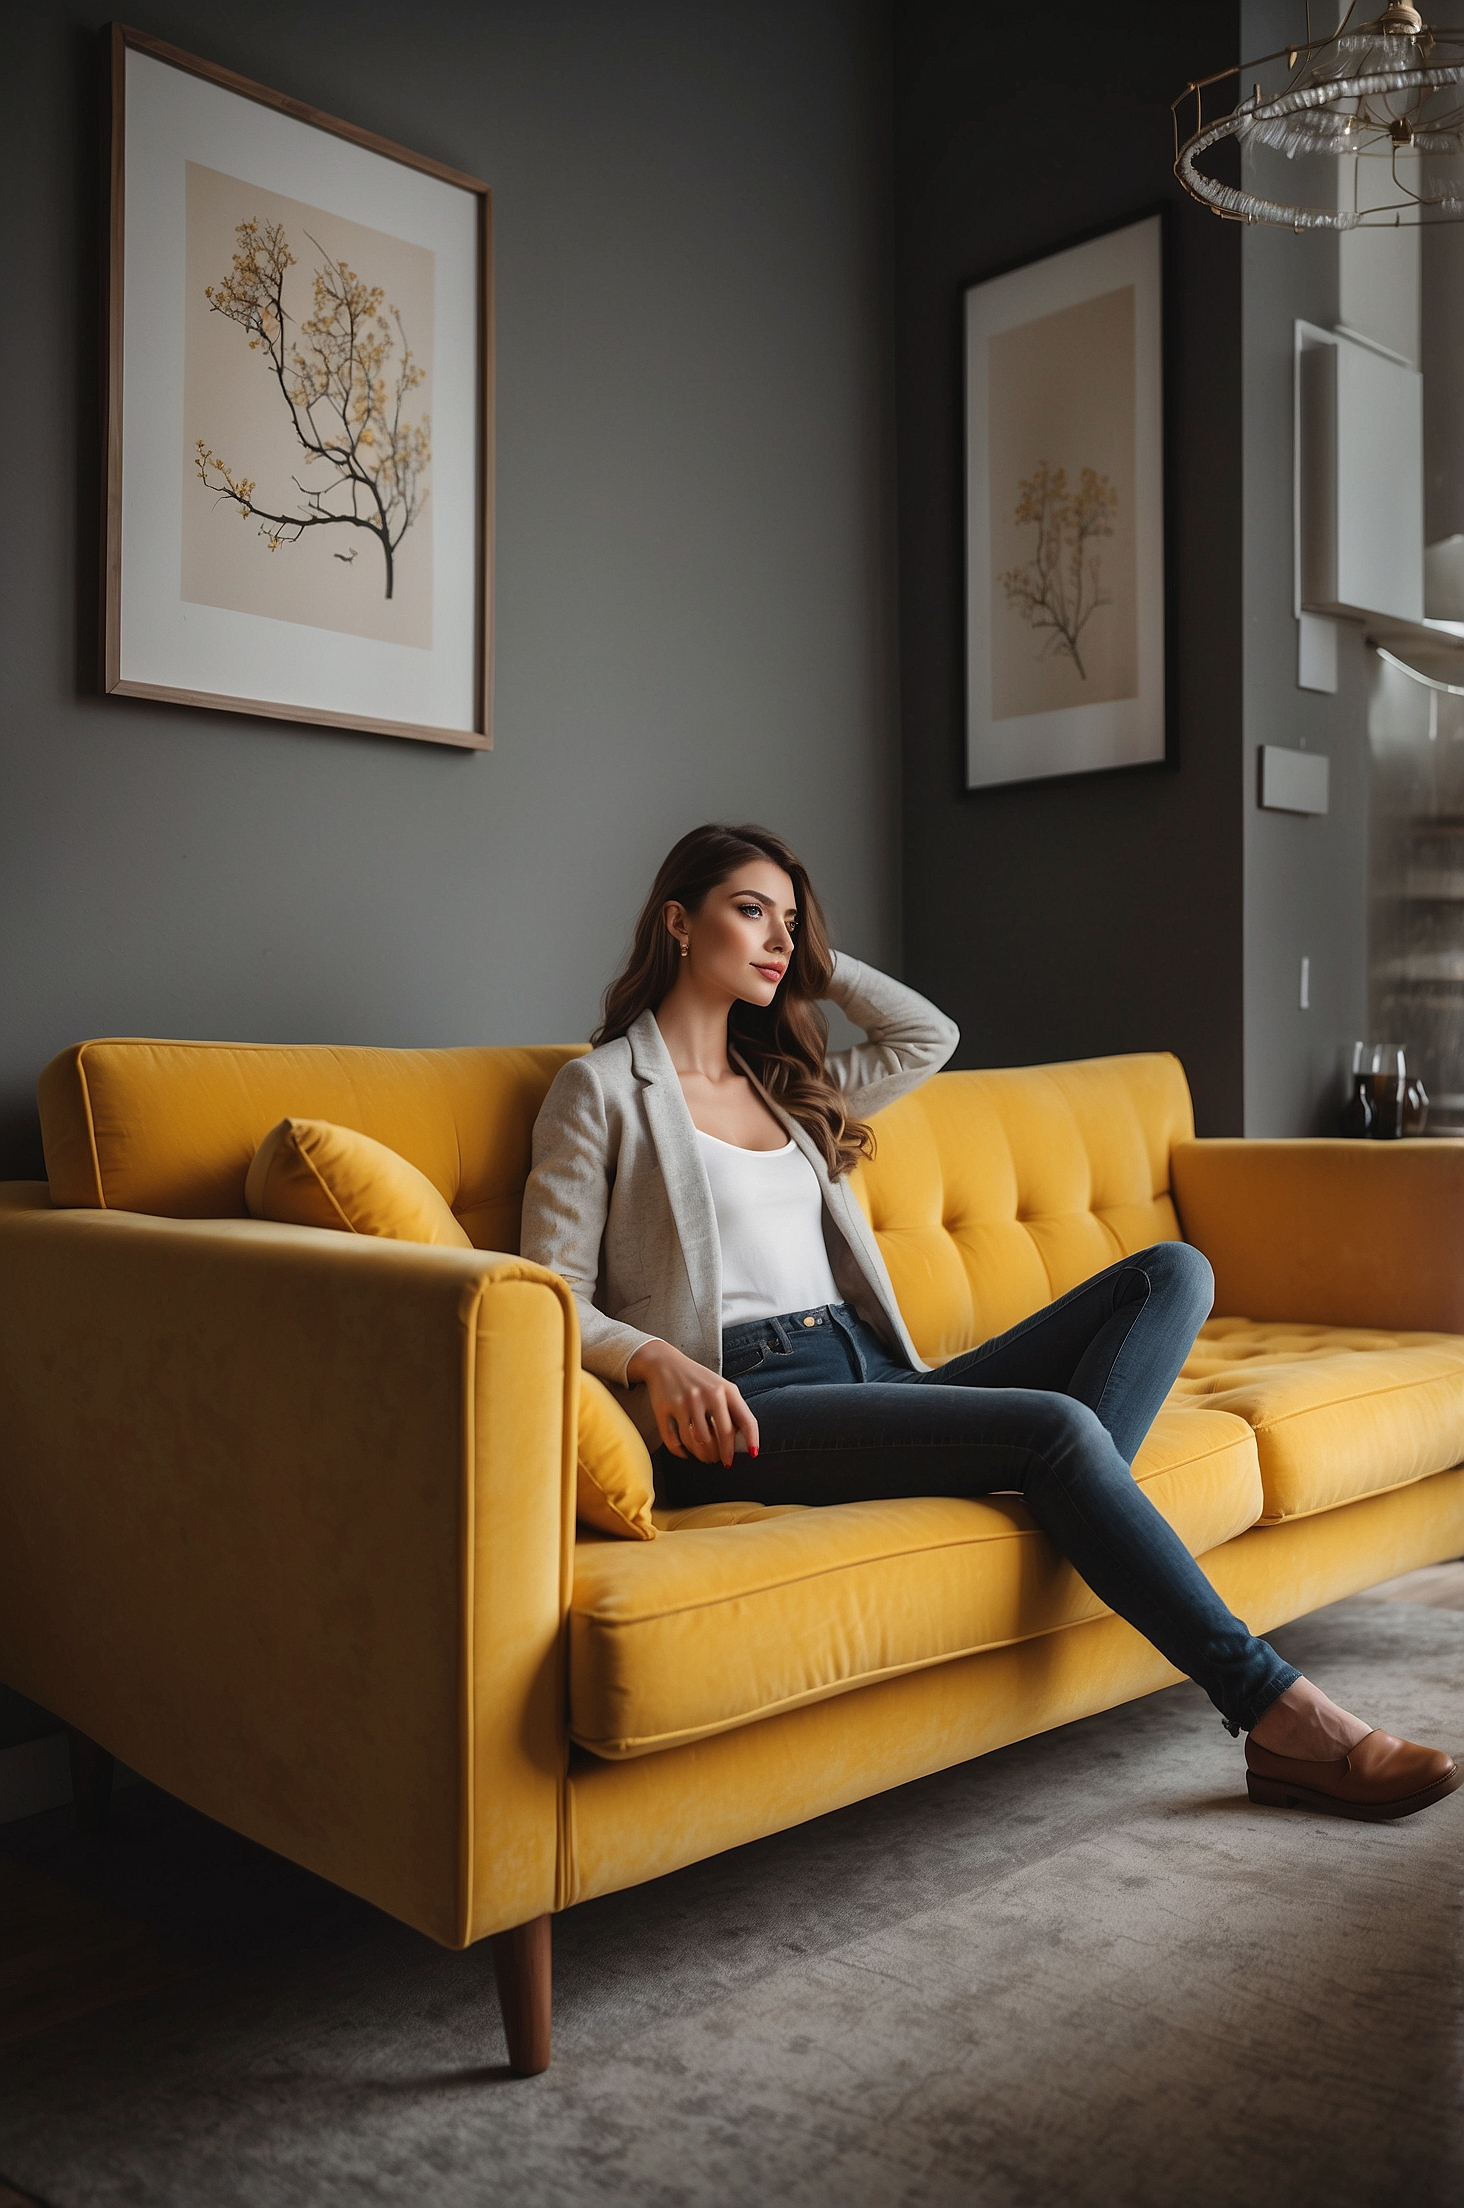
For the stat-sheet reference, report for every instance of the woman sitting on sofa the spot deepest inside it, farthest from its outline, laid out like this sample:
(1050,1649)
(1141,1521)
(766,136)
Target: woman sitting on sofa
(690,1182)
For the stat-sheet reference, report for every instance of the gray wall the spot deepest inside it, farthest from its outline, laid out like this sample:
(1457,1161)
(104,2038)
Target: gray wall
(1305,878)
(694,519)
(1058,920)
(1158,908)
(1443,381)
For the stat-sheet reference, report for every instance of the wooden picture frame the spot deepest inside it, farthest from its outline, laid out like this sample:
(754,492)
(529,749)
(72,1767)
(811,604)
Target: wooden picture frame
(362,597)
(1066,618)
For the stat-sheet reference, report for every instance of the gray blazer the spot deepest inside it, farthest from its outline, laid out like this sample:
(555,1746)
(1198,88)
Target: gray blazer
(618,1201)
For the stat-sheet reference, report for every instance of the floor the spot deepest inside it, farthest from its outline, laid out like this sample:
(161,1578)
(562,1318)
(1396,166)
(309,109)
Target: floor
(1083,1969)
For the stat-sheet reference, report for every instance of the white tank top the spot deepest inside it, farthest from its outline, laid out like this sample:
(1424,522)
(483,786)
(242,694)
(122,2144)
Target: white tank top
(770,1223)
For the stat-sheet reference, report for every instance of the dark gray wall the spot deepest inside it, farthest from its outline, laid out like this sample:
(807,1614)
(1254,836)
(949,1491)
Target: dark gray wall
(1305,877)
(694,524)
(1105,913)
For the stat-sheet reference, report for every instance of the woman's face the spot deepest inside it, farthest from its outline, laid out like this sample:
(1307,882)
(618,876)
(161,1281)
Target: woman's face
(741,940)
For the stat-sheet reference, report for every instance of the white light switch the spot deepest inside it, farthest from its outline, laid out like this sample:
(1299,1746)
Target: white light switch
(1293,781)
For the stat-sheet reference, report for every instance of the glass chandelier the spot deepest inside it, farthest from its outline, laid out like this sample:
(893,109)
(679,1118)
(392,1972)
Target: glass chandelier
(1387,95)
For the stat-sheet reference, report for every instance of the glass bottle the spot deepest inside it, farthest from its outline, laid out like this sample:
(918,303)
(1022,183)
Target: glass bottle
(1357,1117)
(1389,1083)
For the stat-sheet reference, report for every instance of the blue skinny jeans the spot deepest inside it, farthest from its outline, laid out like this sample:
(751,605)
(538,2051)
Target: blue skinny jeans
(1053,1410)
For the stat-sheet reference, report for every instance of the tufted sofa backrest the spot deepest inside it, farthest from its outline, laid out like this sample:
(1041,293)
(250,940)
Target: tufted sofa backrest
(992,1193)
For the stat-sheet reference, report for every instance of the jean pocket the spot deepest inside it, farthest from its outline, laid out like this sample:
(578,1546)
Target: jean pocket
(745,1361)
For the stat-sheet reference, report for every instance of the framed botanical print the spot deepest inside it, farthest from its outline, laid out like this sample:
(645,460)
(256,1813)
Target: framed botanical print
(298,372)
(1065,616)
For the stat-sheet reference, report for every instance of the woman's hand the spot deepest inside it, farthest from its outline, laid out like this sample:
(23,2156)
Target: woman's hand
(697,1414)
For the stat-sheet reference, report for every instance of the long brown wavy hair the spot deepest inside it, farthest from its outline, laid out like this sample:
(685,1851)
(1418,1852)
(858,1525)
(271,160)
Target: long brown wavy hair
(782,1044)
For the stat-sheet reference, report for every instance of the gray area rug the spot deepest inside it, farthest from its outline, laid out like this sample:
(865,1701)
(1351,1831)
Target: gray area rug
(1081,1970)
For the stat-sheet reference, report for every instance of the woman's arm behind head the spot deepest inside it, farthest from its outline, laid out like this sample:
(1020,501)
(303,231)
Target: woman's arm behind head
(909,1039)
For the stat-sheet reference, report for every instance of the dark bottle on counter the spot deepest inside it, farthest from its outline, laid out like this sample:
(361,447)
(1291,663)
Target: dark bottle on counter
(1357,1117)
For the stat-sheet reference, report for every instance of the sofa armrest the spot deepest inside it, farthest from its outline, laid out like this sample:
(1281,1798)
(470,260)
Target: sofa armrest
(286,1522)
(1330,1233)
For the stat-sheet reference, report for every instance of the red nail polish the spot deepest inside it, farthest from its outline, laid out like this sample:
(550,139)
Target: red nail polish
(754,1449)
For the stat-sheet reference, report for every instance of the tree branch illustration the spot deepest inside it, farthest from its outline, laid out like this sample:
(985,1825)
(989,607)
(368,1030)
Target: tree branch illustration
(344,394)
(1060,588)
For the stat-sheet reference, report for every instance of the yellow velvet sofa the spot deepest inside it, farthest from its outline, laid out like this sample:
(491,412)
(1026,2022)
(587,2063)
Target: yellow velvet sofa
(287,1517)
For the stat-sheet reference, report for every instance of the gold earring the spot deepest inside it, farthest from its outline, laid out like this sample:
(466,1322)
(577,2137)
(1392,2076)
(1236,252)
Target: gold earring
(685,948)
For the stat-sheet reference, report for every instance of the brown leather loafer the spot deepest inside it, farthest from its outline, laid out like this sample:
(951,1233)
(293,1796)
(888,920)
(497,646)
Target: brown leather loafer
(1380,1778)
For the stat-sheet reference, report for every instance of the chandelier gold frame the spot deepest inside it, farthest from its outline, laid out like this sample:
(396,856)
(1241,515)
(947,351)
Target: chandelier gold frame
(1390,90)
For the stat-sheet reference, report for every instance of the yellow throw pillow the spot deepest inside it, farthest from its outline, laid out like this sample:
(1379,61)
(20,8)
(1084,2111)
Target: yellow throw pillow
(614,1489)
(308,1173)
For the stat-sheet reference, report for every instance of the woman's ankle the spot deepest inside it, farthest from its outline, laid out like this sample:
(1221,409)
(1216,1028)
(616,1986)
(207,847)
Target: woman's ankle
(1306,1724)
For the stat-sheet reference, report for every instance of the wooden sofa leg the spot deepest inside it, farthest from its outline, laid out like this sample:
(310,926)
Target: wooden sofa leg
(522,1966)
(91,1781)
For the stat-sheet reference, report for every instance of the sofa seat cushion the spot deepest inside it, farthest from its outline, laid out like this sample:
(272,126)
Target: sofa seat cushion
(1337,1412)
(745,1612)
